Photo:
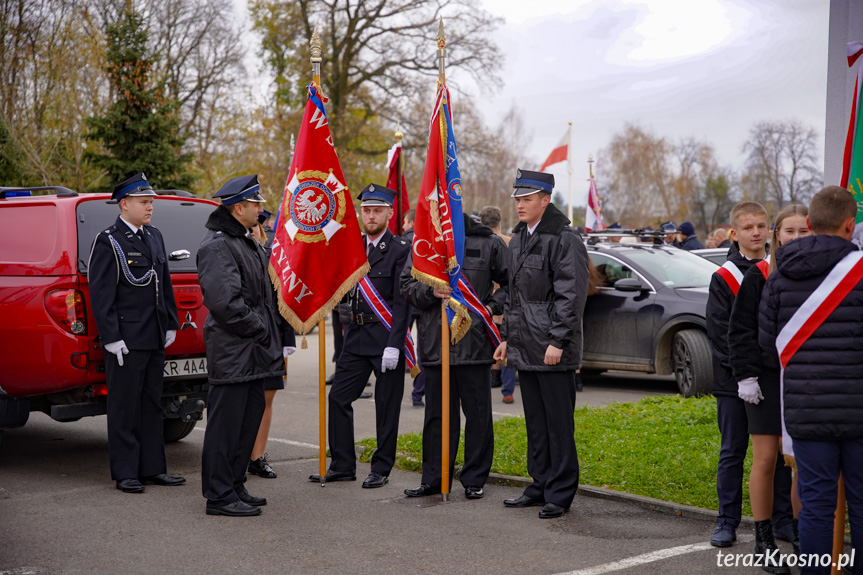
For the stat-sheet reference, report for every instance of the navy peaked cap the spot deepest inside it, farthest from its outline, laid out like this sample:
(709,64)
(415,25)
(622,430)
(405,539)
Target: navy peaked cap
(137,185)
(241,188)
(527,183)
(377,195)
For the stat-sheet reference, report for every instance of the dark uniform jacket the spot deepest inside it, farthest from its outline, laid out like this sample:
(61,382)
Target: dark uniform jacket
(719,302)
(548,277)
(824,379)
(369,339)
(484,262)
(749,360)
(691,243)
(138,315)
(242,335)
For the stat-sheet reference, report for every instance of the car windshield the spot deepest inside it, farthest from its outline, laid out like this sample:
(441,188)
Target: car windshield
(674,268)
(181,224)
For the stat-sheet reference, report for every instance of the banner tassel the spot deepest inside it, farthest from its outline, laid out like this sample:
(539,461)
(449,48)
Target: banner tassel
(304,344)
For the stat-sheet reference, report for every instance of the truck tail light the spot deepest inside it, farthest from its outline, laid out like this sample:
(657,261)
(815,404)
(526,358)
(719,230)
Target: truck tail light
(66,307)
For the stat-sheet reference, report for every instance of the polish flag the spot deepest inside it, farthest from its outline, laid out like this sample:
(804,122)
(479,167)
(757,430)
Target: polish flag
(558,154)
(593,217)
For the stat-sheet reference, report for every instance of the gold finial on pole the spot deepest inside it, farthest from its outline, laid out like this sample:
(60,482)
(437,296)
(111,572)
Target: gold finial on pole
(315,49)
(590,163)
(441,50)
(399,134)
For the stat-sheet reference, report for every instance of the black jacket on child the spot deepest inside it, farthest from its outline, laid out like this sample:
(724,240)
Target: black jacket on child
(719,305)
(749,359)
(824,379)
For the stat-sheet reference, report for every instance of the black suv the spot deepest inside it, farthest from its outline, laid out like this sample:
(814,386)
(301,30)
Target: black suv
(649,314)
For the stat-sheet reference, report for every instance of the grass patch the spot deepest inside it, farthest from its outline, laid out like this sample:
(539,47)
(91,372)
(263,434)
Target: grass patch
(665,447)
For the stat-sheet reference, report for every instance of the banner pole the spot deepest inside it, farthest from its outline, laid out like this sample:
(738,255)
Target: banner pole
(400,210)
(315,50)
(569,169)
(839,528)
(444,402)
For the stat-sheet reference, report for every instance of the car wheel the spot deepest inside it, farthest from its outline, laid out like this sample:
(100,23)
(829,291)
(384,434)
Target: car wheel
(175,429)
(691,357)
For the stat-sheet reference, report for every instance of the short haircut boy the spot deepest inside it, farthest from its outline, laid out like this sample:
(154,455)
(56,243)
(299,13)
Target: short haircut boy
(744,208)
(830,208)
(490,216)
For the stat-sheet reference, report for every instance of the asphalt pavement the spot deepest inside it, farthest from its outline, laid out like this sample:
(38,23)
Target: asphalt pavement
(60,512)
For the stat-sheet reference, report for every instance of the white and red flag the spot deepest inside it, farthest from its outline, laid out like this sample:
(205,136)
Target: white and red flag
(396,181)
(560,153)
(318,253)
(593,217)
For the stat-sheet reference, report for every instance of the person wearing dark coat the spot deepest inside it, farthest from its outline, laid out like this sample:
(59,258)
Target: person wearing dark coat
(484,262)
(823,379)
(690,240)
(244,345)
(542,328)
(370,347)
(133,305)
(749,230)
(419,389)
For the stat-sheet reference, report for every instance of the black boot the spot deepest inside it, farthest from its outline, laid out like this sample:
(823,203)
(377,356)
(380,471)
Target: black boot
(796,542)
(766,550)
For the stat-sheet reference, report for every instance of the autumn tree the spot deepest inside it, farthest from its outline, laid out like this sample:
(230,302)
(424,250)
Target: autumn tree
(140,131)
(781,164)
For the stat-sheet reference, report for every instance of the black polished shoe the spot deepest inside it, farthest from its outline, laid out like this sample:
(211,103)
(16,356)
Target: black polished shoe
(330,379)
(235,509)
(130,486)
(422,491)
(250,499)
(523,501)
(261,467)
(163,479)
(334,476)
(375,480)
(472,492)
(552,510)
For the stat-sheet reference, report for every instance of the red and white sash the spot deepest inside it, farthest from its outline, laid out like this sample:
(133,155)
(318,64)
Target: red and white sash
(764,267)
(732,276)
(385,315)
(844,276)
(476,306)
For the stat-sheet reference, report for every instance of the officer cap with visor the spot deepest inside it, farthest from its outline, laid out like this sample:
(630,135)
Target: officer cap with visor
(527,183)
(240,189)
(137,185)
(376,195)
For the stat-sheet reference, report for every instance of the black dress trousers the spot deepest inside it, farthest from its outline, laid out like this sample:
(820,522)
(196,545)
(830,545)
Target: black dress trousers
(352,373)
(469,388)
(552,459)
(136,444)
(234,414)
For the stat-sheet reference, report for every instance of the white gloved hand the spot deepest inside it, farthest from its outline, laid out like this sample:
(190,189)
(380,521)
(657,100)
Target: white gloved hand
(390,359)
(749,390)
(118,348)
(170,336)
(288,350)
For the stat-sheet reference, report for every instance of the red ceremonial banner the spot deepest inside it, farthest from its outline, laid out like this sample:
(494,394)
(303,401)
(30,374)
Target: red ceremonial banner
(317,254)
(402,203)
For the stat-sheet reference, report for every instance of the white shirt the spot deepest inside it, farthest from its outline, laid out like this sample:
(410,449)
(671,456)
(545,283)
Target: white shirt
(133,228)
(373,242)
(530,229)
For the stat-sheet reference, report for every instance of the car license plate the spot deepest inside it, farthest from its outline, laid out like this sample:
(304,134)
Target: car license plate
(189,367)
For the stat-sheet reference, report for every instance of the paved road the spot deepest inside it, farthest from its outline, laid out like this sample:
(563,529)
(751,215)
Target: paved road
(60,513)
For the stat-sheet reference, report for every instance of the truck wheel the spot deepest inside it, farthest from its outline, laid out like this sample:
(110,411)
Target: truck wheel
(175,429)
(692,360)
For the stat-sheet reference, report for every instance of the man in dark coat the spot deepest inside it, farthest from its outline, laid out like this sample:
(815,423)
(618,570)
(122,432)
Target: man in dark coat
(542,326)
(484,262)
(690,240)
(370,347)
(822,381)
(419,389)
(133,304)
(244,345)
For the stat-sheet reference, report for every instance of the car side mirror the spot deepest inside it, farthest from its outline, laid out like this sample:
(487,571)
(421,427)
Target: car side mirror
(630,285)
(179,255)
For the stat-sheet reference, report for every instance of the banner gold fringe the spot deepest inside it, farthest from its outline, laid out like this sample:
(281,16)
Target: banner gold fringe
(415,371)
(460,323)
(304,344)
(429,280)
(324,310)
(790,462)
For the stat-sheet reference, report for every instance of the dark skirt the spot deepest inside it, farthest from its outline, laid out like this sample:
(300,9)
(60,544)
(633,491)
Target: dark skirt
(274,383)
(764,418)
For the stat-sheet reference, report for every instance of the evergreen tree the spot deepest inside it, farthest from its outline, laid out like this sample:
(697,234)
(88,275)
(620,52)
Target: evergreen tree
(140,131)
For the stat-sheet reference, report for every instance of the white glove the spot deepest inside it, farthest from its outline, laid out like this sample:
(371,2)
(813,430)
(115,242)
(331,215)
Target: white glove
(288,350)
(749,390)
(119,349)
(170,336)
(390,359)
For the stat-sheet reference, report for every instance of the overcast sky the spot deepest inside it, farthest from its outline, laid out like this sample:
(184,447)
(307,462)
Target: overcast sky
(709,69)
(703,68)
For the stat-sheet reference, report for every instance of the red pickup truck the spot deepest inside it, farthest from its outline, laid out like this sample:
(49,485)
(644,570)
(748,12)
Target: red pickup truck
(52,355)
